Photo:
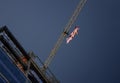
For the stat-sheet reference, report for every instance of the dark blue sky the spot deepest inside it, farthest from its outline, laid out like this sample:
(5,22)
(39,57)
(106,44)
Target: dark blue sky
(92,57)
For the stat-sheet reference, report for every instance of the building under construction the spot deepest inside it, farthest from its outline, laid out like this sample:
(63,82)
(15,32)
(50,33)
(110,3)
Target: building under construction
(18,66)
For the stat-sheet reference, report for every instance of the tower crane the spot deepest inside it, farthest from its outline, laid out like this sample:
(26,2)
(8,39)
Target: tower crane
(64,33)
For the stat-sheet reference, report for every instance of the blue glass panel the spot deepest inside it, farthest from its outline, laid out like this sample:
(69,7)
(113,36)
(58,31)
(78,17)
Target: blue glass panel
(9,70)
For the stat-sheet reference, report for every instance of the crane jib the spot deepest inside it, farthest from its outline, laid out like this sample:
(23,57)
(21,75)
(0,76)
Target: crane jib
(63,35)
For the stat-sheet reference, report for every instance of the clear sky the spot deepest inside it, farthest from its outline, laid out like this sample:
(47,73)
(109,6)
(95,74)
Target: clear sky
(93,56)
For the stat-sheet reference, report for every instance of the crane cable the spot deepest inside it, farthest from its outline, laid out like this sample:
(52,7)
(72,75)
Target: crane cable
(63,35)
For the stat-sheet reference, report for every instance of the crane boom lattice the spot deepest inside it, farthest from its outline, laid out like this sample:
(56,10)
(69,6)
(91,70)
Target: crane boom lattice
(63,35)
